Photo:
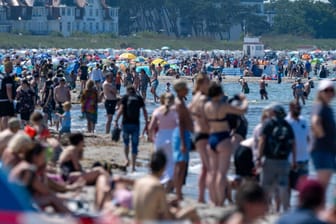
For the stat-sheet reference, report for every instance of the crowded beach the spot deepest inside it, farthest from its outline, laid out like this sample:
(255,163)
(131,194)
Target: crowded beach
(112,136)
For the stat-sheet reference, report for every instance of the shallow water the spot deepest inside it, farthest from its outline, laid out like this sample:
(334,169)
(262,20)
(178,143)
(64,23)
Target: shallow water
(281,93)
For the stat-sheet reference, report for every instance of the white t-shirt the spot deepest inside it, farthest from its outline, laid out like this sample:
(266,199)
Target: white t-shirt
(301,133)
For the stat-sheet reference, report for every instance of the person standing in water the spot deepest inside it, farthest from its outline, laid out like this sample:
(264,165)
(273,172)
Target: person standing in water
(262,86)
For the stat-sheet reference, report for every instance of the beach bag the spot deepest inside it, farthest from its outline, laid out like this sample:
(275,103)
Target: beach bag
(279,141)
(115,134)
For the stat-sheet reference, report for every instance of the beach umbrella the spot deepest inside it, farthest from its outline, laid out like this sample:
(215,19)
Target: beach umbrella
(165,48)
(128,56)
(174,66)
(129,49)
(173,61)
(158,61)
(305,57)
(146,68)
(140,59)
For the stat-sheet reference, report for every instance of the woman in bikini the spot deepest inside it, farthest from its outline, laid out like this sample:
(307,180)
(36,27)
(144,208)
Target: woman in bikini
(220,147)
(201,128)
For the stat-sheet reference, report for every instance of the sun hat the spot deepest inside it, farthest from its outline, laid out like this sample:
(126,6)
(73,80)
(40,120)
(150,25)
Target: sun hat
(325,84)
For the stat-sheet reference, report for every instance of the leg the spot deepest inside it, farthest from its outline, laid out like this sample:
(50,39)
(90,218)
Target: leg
(126,143)
(211,177)
(135,143)
(224,154)
(102,194)
(201,147)
(324,177)
(180,168)
(108,123)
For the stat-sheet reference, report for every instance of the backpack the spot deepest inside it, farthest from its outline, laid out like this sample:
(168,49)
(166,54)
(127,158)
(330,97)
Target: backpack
(280,141)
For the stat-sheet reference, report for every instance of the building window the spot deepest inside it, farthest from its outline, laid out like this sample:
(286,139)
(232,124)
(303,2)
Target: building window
(90,12)
(97,12)
(77,13)
(68,12)
(103,27)
(63,11)
(91,27)
(69,26)
(84,26)
(97,26)
(61,27)
(77,26)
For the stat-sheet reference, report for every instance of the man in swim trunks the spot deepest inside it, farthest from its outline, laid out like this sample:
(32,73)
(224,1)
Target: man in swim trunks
(110,95)
(181,139)
(262,86)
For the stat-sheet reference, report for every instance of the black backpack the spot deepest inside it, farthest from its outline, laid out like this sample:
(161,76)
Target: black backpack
(280,141)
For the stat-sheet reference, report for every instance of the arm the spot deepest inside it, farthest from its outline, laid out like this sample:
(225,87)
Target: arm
(119,113)
(317,126)
(145,117)
(237,110)
(9,92)
(181,127)
(74,159)
(153,125)
(261,146)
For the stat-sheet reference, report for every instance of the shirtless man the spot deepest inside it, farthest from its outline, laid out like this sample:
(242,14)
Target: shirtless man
(61,95)
(110,95)
(262,86)
(181,137)
(307,87)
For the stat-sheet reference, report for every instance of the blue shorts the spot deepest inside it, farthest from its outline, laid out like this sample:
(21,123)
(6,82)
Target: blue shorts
(323,160)
(91,117)
(132,130)
(176,144)
(65,130)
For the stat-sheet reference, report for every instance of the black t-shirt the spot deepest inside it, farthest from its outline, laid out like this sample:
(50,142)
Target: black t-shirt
(243,161)
(328,141)
(132,105)
(5,80)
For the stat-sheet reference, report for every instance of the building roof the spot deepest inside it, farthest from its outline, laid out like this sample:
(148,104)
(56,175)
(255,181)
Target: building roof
(252,1)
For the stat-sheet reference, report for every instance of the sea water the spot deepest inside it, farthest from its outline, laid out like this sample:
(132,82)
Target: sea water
(281,93)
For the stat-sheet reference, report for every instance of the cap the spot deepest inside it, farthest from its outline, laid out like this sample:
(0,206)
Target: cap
(278,109)
(62,79)
(310,190)
(325,84)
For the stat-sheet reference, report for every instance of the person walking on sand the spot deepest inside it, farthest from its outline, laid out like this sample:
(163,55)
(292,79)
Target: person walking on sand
(181,139)
(6,99)
(110,94)
(89,102)
(129,109)
(262,87)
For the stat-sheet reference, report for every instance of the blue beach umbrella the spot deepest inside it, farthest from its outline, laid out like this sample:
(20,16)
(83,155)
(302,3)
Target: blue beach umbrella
(146,68)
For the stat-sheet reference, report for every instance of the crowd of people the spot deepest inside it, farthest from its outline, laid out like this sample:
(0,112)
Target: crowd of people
(268,165)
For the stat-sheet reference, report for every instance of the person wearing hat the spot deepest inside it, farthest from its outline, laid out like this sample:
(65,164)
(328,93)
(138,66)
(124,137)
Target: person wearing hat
(323,132)
(311,202)
(61,95)
(276,143)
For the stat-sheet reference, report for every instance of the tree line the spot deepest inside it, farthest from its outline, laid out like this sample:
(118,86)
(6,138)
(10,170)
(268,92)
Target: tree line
(306,18)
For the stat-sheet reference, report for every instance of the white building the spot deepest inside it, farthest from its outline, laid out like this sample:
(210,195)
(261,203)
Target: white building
(61,16)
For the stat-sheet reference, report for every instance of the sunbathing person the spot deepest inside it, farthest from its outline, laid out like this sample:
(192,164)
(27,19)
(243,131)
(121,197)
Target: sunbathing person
(70,162)
(29,172)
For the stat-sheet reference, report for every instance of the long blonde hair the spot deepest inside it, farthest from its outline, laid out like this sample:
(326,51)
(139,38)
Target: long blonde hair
(168,102)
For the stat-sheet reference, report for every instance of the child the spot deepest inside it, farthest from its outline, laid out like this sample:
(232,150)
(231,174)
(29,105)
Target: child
(66,118)
(168,87)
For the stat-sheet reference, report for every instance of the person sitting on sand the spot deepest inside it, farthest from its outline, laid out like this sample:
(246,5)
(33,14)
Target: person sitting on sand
(7,134)
(29,172)
(149,197)
(69,162)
